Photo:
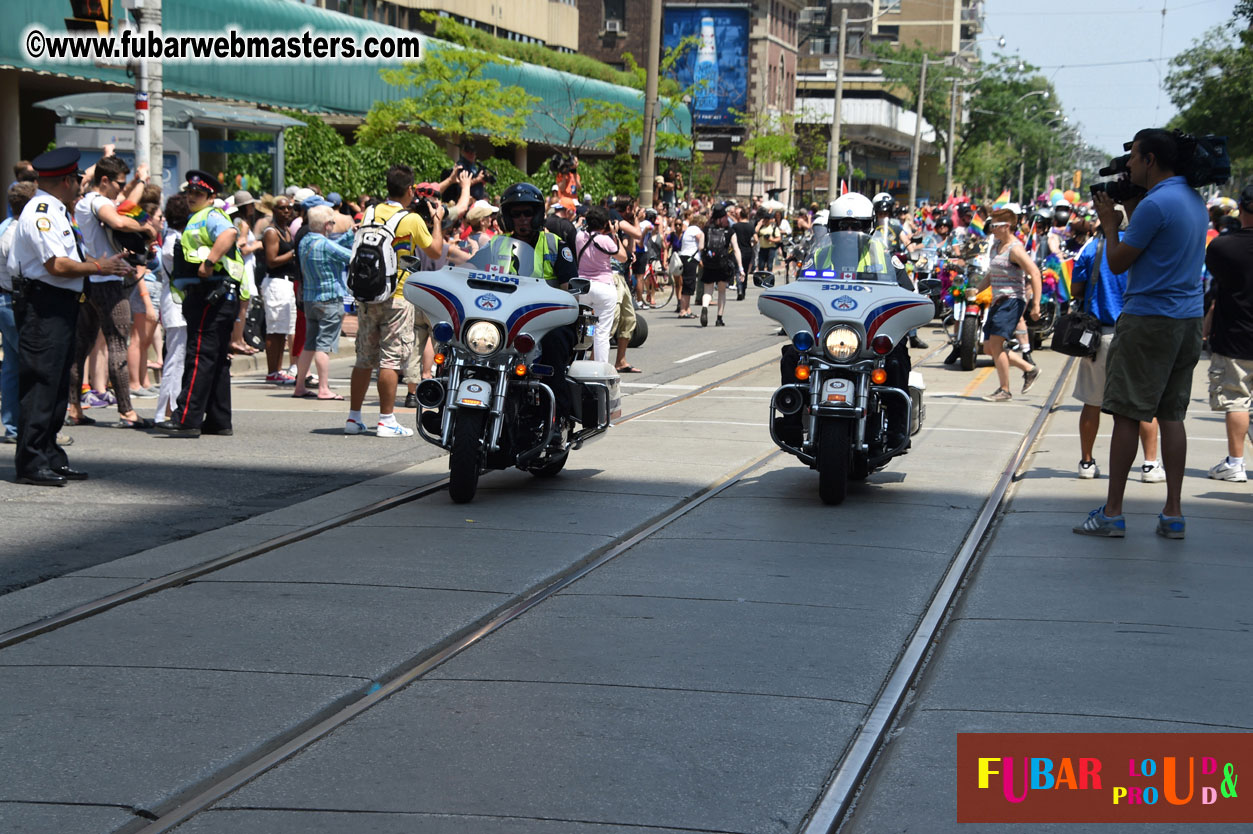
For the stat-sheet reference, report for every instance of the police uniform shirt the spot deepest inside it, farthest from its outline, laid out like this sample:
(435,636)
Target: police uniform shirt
(564,267)
(95,238)
(43,232)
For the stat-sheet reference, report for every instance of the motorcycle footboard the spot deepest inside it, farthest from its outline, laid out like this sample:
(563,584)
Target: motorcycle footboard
(888,391)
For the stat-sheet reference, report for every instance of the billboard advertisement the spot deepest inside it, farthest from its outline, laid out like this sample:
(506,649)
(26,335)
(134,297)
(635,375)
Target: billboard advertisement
(720,59)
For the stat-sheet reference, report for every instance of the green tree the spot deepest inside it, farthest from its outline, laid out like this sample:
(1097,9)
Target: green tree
(1211,83)
(450,93)
(624,176)
(902,69)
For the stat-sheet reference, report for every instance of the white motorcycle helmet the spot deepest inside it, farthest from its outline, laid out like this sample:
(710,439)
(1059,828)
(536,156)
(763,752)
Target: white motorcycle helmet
(851,206)
(883,202)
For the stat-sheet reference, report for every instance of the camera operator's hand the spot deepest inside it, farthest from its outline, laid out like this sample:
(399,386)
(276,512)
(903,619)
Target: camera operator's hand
(437,211)
(1106,212)
(479,178)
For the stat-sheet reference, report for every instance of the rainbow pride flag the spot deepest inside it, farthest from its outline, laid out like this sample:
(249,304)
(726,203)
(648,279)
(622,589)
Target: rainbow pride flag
(129,208)
(976,224)
(1064,270)
(1003,200)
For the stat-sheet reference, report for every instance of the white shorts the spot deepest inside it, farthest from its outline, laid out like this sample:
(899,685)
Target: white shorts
(1090,378)
(279,297)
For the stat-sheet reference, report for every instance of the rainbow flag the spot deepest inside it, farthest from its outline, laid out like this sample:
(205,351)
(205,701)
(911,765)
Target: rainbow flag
(976,224)
(1002,200)
(1068,271)
(1064,270)
(129,209)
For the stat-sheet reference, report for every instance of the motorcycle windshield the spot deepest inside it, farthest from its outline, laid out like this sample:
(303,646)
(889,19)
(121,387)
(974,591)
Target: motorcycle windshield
(846,256)
(506,254)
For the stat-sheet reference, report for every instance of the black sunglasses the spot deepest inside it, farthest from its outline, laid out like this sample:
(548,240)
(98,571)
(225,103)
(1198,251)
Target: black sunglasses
(521,212)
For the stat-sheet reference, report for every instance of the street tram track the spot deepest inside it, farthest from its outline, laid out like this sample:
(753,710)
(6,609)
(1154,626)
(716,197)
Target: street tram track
(832,808)
(174,579)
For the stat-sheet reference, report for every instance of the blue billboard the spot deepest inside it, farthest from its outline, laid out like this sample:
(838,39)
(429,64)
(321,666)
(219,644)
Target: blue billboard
(719,59)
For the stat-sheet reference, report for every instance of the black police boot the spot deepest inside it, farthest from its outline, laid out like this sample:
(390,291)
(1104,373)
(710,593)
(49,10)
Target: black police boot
(953,357)
(915,342)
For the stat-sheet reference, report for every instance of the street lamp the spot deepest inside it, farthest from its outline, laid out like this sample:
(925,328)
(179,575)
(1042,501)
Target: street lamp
(1044,93)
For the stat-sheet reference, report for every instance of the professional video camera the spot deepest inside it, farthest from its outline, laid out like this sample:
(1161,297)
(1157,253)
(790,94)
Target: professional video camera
(562,163)
(1203,160)
(132,246)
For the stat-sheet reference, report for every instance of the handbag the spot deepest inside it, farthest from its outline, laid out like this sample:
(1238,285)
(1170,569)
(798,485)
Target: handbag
(676,265)
(1078,333)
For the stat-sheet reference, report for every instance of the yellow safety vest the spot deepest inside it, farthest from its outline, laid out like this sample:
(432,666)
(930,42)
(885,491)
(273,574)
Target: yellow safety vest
(546,253)
(196,243)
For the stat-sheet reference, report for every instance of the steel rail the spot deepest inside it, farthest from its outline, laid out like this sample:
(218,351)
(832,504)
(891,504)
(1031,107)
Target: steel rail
(421,665)
(855,764)
(105,603)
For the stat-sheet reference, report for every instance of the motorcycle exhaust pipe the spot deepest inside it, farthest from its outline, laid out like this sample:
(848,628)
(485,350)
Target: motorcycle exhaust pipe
(431,393)
(788,400)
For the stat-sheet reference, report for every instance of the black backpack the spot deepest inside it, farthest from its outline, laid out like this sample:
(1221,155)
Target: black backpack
(372,271)
(718,255)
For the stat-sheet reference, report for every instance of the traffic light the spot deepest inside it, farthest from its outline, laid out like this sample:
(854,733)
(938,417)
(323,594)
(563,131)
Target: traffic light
(90,17)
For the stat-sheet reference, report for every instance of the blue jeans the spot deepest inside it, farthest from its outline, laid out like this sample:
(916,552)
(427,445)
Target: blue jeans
(8,372)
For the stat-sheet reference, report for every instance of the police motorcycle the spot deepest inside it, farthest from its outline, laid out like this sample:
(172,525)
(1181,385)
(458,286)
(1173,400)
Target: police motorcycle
(844,321)
(490,404)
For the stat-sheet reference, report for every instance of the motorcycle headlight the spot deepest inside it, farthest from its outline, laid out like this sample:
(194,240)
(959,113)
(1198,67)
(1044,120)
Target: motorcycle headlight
(971,294)
(842,343)
(483,338)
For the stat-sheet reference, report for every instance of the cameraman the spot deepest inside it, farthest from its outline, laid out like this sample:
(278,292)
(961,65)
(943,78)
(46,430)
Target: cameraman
(1157,340)
(468,163)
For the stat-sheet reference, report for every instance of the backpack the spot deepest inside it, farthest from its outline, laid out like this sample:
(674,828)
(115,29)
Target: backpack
(718,255)
(372,271)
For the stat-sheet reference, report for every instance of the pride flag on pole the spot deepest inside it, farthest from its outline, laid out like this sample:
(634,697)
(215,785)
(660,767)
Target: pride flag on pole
(1003,200)
(976,225)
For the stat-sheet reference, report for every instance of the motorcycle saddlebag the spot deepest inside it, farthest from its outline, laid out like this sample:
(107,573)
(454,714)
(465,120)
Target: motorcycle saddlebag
(592,401)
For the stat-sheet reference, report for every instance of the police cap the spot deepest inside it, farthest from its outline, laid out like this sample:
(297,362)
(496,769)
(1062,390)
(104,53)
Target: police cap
(60,162)
(203,181)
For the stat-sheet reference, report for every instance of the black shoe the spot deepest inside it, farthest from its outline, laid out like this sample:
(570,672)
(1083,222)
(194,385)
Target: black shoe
(43,477)
(915,342)
(411,400)
(218,432)
(739,296)
(175,430)
(704,316)
(953,357)
(70,474)
(720,322)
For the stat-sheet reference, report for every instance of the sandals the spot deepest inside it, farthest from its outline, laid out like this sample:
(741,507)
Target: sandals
(79,421)
(687,315)
(628,369)
(138,423)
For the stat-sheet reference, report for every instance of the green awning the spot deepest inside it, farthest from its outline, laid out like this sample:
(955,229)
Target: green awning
(347,88)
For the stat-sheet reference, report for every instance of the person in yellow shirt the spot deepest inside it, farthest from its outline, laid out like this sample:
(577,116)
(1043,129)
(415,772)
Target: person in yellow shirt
(385,328)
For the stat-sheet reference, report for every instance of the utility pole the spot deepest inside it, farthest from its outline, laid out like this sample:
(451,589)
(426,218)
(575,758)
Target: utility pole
(952,128)
(1021,165)
(156,102)
(833,152)
(648,144)
(913,165)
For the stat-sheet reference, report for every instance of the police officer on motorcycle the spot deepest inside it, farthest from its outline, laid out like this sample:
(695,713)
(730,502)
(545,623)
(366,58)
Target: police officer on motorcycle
(854,213)
(522,218)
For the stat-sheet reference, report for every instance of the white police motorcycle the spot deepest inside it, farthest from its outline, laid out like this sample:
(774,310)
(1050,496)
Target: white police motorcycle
(844,317)
(490,404)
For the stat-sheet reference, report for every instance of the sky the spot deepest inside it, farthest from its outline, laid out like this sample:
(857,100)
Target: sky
(1066,37)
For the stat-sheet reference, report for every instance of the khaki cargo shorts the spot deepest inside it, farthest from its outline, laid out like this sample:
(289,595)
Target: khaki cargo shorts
(1229,383)
(1149,370)
(624,319)
(1090,377)
(384,334)
(421,335)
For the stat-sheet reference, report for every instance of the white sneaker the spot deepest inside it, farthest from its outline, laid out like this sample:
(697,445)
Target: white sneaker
(393,430)
(1089,470)
(354,427)
(1152,473)
(1224,471)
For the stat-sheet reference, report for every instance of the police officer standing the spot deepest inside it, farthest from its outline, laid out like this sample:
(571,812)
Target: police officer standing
(208,272)
(48,267)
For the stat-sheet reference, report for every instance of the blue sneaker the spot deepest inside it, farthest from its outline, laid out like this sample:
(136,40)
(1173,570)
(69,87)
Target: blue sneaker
(1170,526)
(1099,524)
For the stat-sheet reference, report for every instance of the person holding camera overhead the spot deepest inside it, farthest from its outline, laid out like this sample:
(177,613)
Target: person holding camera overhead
(1157,340)
(568,182)
(108,296)
(469,163)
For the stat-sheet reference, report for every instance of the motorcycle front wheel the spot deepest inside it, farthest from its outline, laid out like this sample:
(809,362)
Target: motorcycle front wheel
(833,457)
(969,342)
(463,460)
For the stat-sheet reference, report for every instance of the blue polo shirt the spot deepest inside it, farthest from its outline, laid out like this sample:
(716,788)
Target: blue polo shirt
(1169,227)
(1106,303)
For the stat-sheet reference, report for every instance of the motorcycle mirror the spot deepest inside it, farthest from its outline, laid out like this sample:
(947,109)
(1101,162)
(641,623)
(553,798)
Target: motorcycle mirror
(580,286)
(763,279)
(929,286)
